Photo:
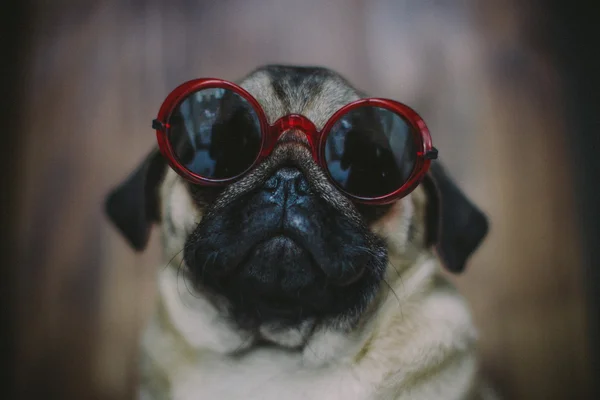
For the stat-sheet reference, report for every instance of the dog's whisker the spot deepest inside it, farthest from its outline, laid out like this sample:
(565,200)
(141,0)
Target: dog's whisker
(244,344)
(180,271)
(210,256)
(391,264)
(177,278)
(314,353)
(376,257)
(172,258)
(391,289)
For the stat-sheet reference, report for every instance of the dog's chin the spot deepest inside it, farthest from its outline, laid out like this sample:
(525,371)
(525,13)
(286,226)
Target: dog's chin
(279,291)
(277,283)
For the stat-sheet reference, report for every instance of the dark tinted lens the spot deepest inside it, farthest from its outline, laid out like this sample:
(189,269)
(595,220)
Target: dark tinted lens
(215,133)
(370,151)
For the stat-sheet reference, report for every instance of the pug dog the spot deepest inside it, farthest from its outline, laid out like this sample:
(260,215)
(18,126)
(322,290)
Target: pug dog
(279,284)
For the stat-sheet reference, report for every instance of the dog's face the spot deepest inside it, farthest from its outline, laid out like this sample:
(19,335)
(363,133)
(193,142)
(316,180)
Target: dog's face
(282,247)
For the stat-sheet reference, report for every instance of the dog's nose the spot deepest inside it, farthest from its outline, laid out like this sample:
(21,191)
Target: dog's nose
(287,186)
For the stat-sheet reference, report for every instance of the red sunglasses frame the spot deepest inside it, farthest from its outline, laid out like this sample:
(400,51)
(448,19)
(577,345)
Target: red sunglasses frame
(316,138)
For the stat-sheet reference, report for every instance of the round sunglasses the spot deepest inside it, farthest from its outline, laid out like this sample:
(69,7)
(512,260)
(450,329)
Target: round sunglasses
(213,132)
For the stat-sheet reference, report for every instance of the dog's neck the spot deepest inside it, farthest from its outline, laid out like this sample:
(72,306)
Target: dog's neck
(190,348)
(193,326)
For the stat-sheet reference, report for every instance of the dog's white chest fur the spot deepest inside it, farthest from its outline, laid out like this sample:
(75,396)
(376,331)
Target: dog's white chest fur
(188,344)
(410,350)
(267,375)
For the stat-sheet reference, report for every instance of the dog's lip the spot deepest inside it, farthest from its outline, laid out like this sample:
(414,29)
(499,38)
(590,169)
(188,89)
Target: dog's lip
(281,235)
(297,240)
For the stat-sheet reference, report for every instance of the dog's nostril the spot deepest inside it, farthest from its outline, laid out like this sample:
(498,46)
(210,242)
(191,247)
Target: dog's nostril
(301,185)
(272,183)
(290,180)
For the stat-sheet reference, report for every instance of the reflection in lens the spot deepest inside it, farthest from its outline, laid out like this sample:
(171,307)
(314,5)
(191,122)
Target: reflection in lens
(215,133)
(370,152)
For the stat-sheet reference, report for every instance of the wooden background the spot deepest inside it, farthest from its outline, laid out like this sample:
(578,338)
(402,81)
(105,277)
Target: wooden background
(481,76)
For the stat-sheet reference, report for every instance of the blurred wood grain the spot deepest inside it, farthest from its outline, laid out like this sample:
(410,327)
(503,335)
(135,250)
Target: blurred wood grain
(480,75)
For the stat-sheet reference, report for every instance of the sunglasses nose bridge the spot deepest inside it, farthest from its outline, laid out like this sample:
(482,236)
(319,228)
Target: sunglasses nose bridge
(295,127)
(293,135)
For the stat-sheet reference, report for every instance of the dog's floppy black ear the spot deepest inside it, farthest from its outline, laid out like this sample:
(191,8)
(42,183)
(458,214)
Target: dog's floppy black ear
(455,226)
(134,204)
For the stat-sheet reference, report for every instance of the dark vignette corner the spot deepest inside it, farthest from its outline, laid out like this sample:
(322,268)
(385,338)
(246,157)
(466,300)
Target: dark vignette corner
(14,41)
(574,37)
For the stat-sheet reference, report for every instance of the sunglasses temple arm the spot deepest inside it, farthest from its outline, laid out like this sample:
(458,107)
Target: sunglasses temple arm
(431,154)
(158,125)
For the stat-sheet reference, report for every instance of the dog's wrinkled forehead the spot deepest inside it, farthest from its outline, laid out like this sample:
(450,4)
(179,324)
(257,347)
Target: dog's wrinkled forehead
(313,92)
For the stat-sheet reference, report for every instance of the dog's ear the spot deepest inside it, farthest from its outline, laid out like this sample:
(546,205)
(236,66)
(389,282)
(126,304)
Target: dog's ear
(454,225)
(133,206)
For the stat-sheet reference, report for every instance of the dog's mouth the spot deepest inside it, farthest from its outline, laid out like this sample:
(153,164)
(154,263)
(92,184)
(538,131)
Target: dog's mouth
(287,277)
(284,258)
(276,276)
(279,247)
